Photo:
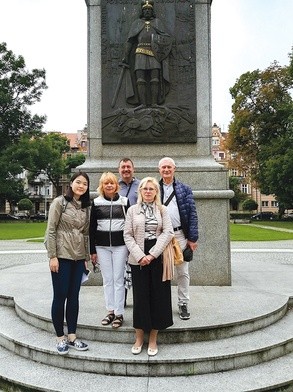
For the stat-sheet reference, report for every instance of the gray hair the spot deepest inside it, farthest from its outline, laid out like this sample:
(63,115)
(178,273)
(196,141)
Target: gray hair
(167,159)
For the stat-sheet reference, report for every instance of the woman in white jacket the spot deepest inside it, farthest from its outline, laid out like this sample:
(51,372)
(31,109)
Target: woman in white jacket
(148,230)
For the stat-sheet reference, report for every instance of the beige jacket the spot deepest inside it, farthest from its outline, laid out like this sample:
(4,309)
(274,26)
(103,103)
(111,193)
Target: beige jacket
(67,231)
(134,232)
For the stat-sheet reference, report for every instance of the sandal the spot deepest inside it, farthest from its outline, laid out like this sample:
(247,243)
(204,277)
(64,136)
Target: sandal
(118,321)
(108,319)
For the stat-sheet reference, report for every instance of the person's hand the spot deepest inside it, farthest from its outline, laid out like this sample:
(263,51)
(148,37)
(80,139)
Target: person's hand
(150,258)
(146,260)
(54,264)
(94,259)
(192,245)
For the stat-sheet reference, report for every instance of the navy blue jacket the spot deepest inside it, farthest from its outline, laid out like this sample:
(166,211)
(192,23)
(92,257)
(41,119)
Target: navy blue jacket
(186,207)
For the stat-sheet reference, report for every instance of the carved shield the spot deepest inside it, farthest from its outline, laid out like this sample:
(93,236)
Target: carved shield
(161,46)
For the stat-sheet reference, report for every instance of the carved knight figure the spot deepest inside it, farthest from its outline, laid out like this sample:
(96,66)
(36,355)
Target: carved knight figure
(146,58)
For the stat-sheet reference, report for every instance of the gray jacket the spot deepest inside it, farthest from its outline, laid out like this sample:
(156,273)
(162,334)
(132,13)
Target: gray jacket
(67,230)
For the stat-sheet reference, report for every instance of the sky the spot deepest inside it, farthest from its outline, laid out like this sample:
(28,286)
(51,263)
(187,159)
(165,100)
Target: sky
(52,34)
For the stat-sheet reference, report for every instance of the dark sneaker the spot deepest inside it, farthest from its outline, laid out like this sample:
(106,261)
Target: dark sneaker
(183,312)
(62,347)
(78,345)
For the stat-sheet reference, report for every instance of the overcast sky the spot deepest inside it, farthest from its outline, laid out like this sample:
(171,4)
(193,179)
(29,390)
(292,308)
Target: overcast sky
(52,34)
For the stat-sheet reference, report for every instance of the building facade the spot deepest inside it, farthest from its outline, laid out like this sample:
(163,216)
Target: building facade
(265,203)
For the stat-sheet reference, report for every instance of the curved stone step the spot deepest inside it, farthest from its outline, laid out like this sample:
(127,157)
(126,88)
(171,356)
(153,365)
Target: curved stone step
(275,375)
(173,359)
(216,312)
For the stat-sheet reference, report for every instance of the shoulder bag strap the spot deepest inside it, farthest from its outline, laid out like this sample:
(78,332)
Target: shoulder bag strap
(169,198)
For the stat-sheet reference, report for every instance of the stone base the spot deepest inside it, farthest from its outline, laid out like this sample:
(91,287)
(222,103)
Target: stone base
(211,265)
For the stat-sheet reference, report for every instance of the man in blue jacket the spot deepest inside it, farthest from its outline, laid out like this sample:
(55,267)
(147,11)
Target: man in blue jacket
(179,200)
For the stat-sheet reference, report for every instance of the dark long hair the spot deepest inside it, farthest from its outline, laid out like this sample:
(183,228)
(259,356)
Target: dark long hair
(85,198)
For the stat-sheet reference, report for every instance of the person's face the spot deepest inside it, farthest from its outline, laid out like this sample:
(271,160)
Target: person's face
(167,171)
(147,13)
(109,188)
(79,186)
(148,192)
(126,171)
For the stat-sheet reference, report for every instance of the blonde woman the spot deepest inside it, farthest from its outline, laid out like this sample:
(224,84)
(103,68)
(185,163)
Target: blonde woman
(148,230)
(107,247)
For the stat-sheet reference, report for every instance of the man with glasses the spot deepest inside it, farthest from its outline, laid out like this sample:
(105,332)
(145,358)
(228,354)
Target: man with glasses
(179,200)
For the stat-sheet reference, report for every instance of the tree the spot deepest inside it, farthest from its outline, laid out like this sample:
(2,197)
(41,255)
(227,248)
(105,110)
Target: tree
(261,131)
(19,89)
(234,185)
(249,205)
(25,205)
(73,161)
(44,153)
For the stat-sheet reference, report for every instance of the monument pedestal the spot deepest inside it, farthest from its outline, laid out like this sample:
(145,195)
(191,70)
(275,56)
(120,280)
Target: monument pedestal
(194,161)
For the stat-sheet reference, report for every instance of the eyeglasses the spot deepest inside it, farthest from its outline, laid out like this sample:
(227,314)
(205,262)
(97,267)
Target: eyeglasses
(148,189)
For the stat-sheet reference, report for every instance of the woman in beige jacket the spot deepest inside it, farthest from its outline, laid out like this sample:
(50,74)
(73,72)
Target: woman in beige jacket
(148,230)
(68,253)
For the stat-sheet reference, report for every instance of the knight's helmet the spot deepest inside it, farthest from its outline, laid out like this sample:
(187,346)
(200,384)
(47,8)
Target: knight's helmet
(147,4)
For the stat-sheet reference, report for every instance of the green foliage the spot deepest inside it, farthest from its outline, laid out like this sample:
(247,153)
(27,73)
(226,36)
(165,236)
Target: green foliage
(234,185)
(44,153)
(73,161)
(11,190)
(19,89)
(249,205)
(25,205)
(260,137)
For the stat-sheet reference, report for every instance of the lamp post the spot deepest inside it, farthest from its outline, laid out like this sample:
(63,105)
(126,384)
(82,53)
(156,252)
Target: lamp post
(46,179)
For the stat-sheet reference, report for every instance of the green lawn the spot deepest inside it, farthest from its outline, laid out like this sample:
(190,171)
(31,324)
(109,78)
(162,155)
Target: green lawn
(238,232)
(22,230)
(245,232)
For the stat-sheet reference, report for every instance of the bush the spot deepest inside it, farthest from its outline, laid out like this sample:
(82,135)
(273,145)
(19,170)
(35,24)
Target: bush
(249,205)
(25,205)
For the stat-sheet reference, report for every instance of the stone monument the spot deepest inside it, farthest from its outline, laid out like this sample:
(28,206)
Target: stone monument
(149,96)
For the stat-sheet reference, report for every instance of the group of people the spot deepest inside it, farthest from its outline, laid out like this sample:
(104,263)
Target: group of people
(130,222)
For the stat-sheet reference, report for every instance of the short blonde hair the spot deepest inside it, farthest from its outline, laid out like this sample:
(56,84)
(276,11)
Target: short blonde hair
(105,177)
(155,183)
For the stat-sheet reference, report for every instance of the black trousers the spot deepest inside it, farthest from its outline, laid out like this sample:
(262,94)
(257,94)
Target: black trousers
(152,306)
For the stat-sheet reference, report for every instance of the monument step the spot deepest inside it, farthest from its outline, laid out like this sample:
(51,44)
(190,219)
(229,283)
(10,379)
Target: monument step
(226,313)
(275,375)
(182,359)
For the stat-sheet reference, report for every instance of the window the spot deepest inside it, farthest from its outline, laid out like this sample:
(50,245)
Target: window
(265,203)
(244,188)
(274,203)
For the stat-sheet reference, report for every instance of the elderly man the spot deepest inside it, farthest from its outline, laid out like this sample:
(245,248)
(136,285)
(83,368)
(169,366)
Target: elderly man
(181,207)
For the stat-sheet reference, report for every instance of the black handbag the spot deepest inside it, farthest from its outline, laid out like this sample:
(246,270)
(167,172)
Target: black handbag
(187,254)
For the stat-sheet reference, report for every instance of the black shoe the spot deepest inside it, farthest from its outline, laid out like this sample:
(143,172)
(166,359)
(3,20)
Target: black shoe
(78,345)
(183,312)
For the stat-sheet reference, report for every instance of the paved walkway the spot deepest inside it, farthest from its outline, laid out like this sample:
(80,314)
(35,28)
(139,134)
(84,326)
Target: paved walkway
(262,272)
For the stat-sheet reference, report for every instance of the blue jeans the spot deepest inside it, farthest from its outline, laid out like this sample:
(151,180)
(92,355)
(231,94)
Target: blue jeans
(66,286)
